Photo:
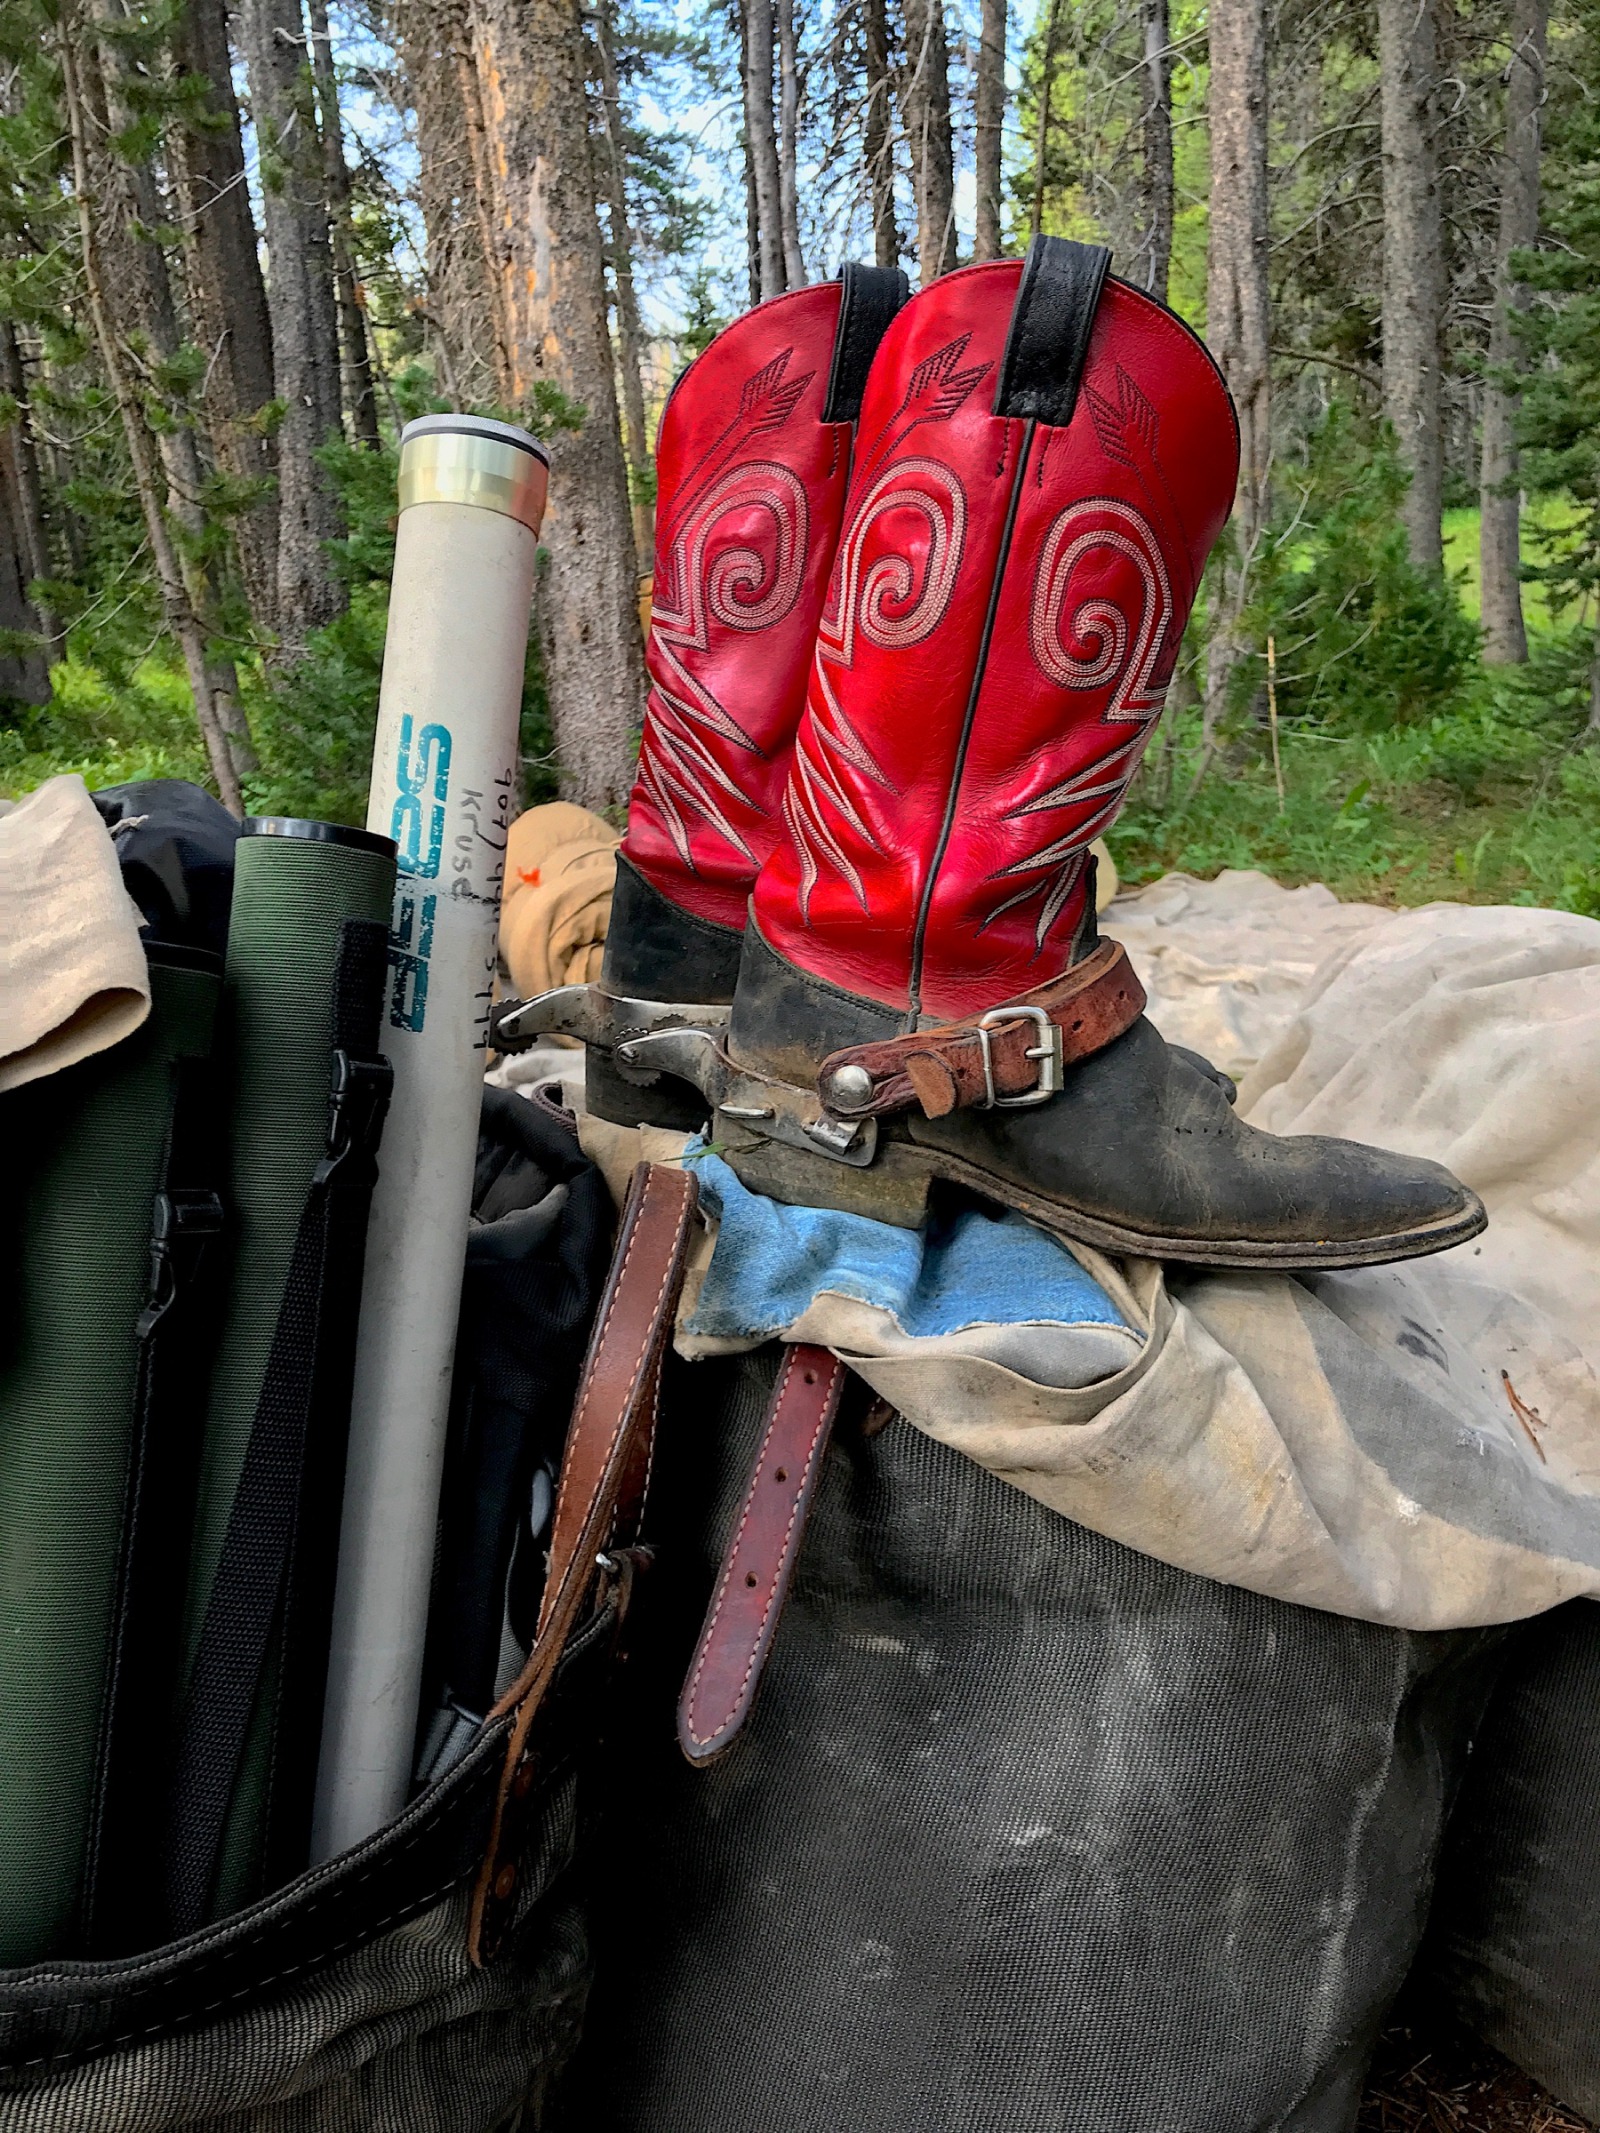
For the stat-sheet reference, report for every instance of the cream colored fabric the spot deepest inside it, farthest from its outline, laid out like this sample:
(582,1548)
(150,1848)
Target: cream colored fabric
(1225,962)
(73,975)
(1105,879)
(561,868)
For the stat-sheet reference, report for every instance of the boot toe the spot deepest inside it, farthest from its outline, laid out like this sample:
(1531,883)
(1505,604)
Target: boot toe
(1357,1192)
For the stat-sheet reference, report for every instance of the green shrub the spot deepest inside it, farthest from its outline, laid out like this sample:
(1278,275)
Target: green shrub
(1364,640)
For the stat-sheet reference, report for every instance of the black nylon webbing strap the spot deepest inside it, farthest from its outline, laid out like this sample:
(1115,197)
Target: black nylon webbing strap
(1051,322)
(359,1099)
(256,1614)
(147,1607)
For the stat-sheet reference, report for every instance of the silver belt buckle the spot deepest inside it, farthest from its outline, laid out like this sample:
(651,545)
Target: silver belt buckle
(1047,1051)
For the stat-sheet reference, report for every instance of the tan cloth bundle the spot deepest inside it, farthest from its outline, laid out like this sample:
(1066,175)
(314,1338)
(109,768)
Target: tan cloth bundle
(73,978)
(561,866)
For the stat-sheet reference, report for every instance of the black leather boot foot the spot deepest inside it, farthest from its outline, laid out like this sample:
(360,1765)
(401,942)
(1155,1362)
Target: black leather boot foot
(1138,1152)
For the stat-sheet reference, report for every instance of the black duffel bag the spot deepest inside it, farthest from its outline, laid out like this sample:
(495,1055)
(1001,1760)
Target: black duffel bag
(1513,1951)
(1025,1829)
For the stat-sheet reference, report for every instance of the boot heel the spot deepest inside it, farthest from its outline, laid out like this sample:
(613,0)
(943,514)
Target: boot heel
(894,1189)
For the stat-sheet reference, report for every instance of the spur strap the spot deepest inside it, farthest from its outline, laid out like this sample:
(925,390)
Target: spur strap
(1013,1055)
(754,1582)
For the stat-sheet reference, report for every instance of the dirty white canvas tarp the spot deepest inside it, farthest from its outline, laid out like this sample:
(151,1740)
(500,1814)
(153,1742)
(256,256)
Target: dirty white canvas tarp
(1418,1445)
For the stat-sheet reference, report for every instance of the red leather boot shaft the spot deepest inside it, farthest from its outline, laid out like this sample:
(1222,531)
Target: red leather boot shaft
(1003,621)
(752,487)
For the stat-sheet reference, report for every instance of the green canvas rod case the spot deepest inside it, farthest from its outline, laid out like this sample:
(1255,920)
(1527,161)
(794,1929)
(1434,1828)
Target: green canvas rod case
(305,1088)
(113,1210)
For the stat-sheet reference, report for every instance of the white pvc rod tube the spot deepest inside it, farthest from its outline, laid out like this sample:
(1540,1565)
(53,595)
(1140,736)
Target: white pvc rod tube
(444,782)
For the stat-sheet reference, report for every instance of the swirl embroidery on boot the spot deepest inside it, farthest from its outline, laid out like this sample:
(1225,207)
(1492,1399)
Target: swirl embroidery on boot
(743,588)
(1123,653)
(885,604)
(1093,645)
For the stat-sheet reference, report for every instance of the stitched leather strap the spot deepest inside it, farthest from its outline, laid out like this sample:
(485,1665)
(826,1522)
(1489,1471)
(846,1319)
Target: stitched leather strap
(1051,322)
(743,1616)
(600,1495)
(960,1064)
(868,301)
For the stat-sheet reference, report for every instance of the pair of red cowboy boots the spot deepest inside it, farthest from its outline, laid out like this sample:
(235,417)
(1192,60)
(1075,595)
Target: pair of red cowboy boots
(923,571)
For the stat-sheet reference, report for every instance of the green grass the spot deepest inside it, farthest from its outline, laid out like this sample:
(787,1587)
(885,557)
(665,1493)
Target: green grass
(1461,560)
(107,735)
(1479,807)
(1495,800)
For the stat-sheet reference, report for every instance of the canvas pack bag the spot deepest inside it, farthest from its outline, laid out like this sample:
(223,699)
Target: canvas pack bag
(432,1979)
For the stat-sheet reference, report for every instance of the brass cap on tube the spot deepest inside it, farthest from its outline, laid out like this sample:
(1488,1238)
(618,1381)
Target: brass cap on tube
(467,459)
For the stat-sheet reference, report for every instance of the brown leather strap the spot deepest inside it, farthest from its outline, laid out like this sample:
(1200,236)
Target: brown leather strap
(600,1494)
(743,1616)
(958,1064)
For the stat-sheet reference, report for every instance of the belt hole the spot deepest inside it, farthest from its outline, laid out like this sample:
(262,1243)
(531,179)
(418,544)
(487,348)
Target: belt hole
(750,1578)
(782,1474)
(811,1377)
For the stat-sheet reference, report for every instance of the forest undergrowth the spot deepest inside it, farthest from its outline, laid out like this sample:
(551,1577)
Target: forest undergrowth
(1398,769)
(1495,799)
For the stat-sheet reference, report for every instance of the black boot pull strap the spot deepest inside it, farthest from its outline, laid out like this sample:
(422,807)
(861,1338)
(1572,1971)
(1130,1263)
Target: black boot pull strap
(1051,322)
(250,1597)
(871,297)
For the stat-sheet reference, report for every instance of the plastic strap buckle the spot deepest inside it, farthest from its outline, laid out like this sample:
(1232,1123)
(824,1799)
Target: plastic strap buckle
(358,1103)
(182,1216)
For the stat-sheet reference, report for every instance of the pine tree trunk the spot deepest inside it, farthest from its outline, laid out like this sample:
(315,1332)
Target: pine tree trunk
(630,337)
(227,297)
(23,673)
(761,134)
(177,605)
(988,114)
(794,266)
(300,301)
(752,206)
(1158,180)
(24,677)
(27,493)
(533,72)
(877,137)
(1238,306)
(355,351)
(1505,636)
(1041,146)
(441,87)
(1413,262)
(926,110)
(131,209)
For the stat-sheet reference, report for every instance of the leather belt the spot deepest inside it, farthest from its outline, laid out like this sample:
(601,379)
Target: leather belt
(1011,1056)
(743,1616)
(604,1472)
